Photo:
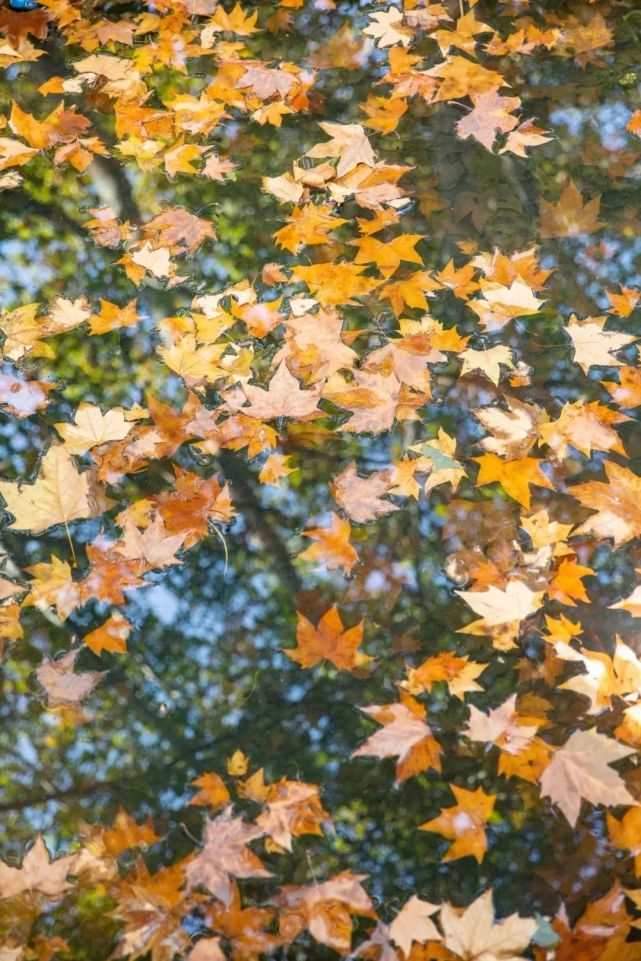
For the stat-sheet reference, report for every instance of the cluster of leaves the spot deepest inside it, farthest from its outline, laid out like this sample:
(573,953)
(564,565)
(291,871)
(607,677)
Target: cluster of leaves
(340,375)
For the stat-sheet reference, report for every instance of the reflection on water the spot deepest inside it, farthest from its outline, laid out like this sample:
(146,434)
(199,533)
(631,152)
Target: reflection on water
(206,674)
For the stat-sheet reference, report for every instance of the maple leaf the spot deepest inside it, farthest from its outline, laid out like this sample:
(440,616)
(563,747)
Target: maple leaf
(195,364)
(113,317)
(157,262)
(284,188)
(66,314)
(53,584)
(243,927)
(22,331)
(515,430)
(387,256)
(123,835)
(437,456)
(514,476)
(487,362)
(328,641)
(92,428)
(237,764)
(154,547)
(178,228)
(383,114)
(212,791)
(387,28)
(38,873)
(587,427)
(500,303)
(414,923)
(617,502)
(622,304)
(567,584)
(332,547)
(292,808)
(225,853)
(335,283)
(237,21)
(275,468)
(626,834)
(283,398)
(361,497)
(605,677)
(59,495)
(348,142)
(14,154)
(593,346)
(266,82)
(372,398)
(150,904)
(474,934)
(404,735)
(581,770)
(324,909)
(570,216)
(491,115)
(62,684)
(464,824)
(110,636)
(309,225)
(461,77)
(459,673)
(525,135)
(501,726)
(497,607)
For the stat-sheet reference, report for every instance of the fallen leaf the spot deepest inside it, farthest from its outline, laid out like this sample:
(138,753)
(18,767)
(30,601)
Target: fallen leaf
(581,770)
(225,854)
(328,641)
(38,873)
(60,494)
(474,934)
(62,684)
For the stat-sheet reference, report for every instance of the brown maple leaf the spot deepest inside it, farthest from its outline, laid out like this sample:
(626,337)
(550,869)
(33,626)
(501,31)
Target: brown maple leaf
(225,853)
(243,927)
(372,398)
(179,229)
(62,684)
(292,808)
(324,909)
(154,547)
(361,497)
(283,398)
(491,115)
(570,216)
(404,735)
(617,502)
